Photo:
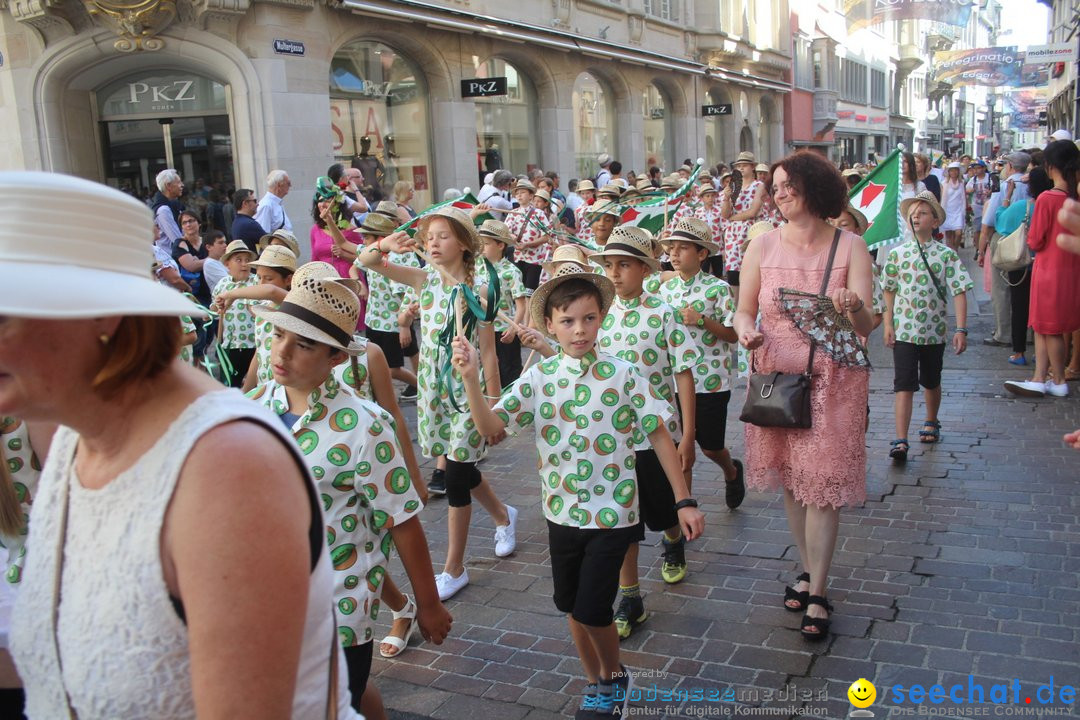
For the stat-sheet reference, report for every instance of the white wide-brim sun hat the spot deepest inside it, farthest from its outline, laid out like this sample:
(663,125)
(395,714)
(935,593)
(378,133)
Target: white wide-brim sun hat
(72,248)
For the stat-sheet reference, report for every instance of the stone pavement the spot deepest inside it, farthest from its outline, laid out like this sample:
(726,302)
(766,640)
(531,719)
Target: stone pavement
(963,562)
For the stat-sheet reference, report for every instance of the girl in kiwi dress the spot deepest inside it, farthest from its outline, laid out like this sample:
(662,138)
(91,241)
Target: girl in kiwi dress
(453,245)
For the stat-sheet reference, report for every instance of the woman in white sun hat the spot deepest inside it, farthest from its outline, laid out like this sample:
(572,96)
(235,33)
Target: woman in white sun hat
(175,522)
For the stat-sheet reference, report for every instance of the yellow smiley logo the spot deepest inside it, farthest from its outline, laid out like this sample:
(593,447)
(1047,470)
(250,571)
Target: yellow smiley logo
(862,693)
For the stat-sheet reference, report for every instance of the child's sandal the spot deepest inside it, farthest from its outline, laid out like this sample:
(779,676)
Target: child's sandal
(931,431)
(399,644)
(899,449)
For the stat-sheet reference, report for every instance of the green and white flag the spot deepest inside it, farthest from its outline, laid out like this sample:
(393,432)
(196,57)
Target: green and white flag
(878,198)
(465,203)
(651,214)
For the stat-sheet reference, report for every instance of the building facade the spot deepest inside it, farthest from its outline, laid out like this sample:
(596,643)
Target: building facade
(226,90)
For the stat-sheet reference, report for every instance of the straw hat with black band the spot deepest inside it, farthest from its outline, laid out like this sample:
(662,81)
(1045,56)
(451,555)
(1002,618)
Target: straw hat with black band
(276,256)
(569,271)
(378,225)
(761,167)
(628,241)
(457,218)
(745,158)
(282,236)
(388,208)
(565,253)
(235,247)
(74,268)
(584,185)
(321,310)
(693,230)
(497,230)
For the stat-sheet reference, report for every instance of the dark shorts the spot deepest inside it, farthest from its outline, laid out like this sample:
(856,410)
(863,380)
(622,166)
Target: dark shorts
(530,273)
(710,419)
(656,500)
(461,479)
(509,356)
(733,278)
(917,365)
(390,344)
(358,661)
(585,567)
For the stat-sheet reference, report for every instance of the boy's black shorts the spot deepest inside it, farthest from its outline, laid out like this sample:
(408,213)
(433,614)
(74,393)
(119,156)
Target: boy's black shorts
(710,419)
(390,344)
(917,365)
(585,566)
(656,500)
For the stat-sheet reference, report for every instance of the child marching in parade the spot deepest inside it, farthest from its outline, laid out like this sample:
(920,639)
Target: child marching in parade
(358,464)
(590,410)
(512,297)
(453,245)
(642,329)
(704,306)
(237,329)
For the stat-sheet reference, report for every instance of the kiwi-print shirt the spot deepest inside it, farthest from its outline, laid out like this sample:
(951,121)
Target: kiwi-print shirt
(239,322)
(920,316)
(511,287)
(384,295)
(264,373)
(186,352)
(589,413)
(353,453)
(644,332)
(25,469)
(710,296)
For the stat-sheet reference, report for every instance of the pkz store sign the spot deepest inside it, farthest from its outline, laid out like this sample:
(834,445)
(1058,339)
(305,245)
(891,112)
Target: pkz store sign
(168,93)
(483,87)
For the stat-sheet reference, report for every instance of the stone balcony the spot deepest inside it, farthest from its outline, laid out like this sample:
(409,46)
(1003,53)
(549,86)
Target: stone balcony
(825,110)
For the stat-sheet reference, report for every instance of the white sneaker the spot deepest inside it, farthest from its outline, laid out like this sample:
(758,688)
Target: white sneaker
(506,535)
(1026,388)
(1061,390)
(448,585)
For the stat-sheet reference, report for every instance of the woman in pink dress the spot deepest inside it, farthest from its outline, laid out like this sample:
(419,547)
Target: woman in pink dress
(808,190)
(1055,276)
(322,245)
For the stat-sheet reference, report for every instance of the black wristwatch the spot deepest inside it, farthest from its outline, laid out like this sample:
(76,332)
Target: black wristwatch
(688,502)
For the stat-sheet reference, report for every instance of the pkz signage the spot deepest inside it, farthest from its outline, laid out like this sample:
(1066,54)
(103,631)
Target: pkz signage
(714,110)
(288,47)
(483,87)
(167,94)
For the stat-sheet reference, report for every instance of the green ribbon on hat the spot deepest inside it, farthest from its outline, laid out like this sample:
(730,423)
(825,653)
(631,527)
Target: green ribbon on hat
(474,314)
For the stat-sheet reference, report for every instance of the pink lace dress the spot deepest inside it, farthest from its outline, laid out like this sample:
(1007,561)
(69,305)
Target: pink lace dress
(826,464)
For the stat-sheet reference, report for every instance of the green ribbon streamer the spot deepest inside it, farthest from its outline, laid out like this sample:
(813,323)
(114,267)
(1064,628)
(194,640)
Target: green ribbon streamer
(474,313)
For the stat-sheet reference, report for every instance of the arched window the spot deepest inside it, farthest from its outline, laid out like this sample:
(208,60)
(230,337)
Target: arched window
(506,125)
(657,124)
(379,117)
(594,124)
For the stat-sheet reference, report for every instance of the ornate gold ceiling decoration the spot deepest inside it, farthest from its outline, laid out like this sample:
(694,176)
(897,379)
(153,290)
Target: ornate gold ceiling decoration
(136,21)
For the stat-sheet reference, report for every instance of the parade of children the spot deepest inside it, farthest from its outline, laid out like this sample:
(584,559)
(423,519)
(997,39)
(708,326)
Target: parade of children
(238,486)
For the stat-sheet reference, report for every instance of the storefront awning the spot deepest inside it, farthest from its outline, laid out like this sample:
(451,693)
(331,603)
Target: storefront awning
(461,21)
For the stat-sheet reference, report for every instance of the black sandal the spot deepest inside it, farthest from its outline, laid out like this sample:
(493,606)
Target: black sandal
(792,594)
(821,625)
(931,432)
(899,450)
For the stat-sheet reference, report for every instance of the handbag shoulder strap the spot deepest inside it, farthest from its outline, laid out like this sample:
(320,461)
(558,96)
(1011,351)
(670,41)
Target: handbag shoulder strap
(824,289)
(926,262)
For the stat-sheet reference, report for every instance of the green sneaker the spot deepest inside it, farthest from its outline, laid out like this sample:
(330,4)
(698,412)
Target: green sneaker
(629,615)
(674,568)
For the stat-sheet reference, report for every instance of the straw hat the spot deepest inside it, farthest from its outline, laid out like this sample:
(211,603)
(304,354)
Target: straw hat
(686,168)
(497,229)
(603,159)
(611,191)
(706,188)
(757,230)
(927,197)
(761,167)
(543,195)
(670,182)
(387,208)
(276,256)
(74,268)
(745,158)
(319,309)
(644,185)
(584,185)
(631,193)
(524,184)
(851,171)
(858,217)
(376,223)
(566,253)
(318,270)
(458,218)
(629,241)
(725,174)
(694,230)
(284,236)
(606,207)
(569,271)
(236,246)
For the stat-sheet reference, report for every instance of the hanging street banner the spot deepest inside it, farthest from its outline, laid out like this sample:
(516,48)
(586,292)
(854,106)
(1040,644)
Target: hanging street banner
(1033,74)
(1023,107)
(860,13)
(989,67)
(1058,52)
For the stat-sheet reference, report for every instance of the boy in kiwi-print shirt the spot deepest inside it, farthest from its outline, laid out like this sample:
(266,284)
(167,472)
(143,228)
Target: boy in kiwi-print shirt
(590,410)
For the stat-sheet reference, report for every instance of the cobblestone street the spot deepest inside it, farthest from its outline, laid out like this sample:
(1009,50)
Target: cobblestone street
(963,562)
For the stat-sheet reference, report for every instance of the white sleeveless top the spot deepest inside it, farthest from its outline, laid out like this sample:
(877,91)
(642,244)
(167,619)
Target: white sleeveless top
(124,649)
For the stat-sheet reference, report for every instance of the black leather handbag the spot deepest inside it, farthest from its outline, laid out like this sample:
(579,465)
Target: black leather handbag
(782,400)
